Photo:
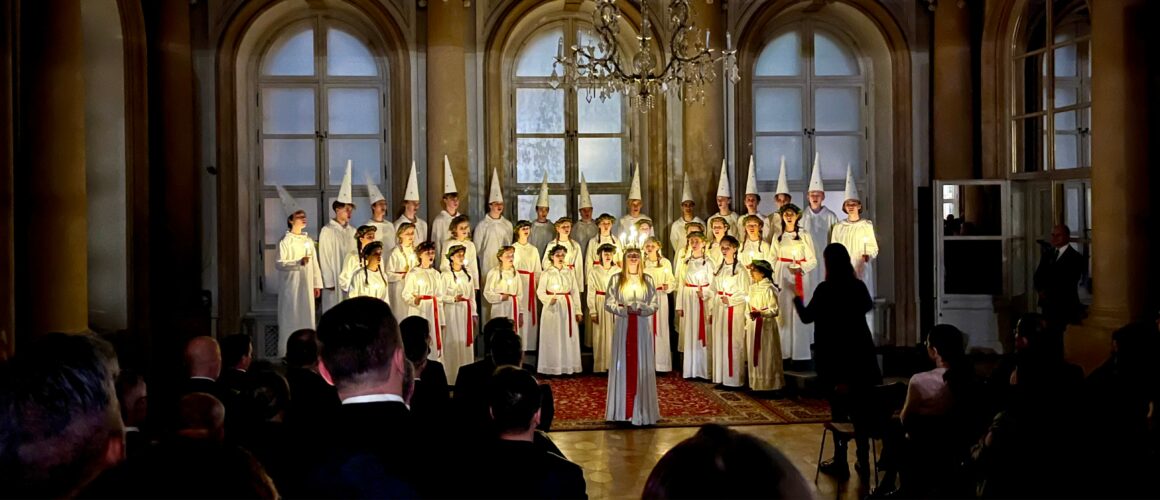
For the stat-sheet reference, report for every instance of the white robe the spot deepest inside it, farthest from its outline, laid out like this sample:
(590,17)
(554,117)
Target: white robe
(573,259)
(385,234)
(459,319)
(296,291)
(350,265)
(819,225)
(731,226)
(859,239)
(498,283)
(632,379)
(559,352)
(440,233)
(694,301)
(490,236)
(662,276)
(600,332)
(542,233)
(592,257)
(627,224)
(335,242)
(732,285)
(796,336)
(402,260)
(527,263)
(420,227)
(761,338)
(583,231)
(424,285)
(470,260)
(677,233)
(367,283)
(755,250)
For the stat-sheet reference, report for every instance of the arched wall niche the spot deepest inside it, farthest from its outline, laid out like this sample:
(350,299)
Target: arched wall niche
(883,50)
(240,42)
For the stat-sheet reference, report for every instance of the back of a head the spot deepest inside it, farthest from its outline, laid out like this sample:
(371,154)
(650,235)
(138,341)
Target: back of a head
(302,348)
(416,331)
(722,463)
(506,348)
(201,416)
(203,357)
(948,341)
(269,395)
(837,262)
(133,397)
(234,349)
(494,325)
(514,397)
(60,415)
(359,338)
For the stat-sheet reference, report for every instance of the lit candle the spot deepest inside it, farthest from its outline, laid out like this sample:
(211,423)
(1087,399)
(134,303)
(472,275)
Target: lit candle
(706,39)
(865,245)
(728,41)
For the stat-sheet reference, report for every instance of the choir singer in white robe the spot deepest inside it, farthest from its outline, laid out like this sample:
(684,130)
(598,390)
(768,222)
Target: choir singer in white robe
(301,277)
(632,382)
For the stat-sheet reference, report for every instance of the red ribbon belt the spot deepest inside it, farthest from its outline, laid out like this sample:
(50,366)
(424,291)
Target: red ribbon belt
(630,359)
(438,332)
(470,324)
(701,307)
(757,340)
(601,293)
(515,311)
(797,277)
(531,294)
(568,297)
(729,346)
(654,321)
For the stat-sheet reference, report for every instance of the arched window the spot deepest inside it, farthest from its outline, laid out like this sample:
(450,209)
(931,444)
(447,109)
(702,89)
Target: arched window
(562,133)
(809,96)
(1051,111)
(321,99)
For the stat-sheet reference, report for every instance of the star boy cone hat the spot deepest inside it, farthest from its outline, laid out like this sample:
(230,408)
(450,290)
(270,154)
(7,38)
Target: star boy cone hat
(373,192)
(542,200)
(816,176)
(412,192)
(782,183)
(634,190)
(686,193)
(290,206)
(496,195)
(585,197)
(723,182)
(344,190)
(851,188)
(448,177)
(751,183)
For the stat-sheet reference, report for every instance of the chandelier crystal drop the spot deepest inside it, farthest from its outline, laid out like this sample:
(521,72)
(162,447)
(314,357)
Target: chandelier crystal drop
(599,69)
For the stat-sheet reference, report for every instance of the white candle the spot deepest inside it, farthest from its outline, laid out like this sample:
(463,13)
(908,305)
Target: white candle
(560,49)
(865,245)
(728,40)
(706,39)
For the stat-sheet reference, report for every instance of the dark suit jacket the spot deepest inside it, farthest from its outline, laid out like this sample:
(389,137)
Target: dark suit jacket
(431,400)
(312,400)
(520,469)
(470,399)
(1057,281)
(843,347)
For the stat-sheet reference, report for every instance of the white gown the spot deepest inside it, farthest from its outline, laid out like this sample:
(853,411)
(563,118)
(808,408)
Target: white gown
(424,284)
(440,233)
(583,232)
(402,260)
(796,336)
(296,292)
(458,322)
(367,283)
(819,225)
(573,259)
(559,352)
(497,283)
(755,250)
(542,233)
(335,242)
(859,239)
(632,379)
(730,226)
(677,233)
(732,284)
(600,333)
(385,234)
(350,265)
(420,227)
(593,258)
(662,276)
(490,236)
(761,339)
(527,263)
(470,260)
(694,299)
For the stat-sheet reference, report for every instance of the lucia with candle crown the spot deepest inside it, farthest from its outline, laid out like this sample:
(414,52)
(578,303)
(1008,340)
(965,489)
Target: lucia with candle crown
(632,385)
(421,291)
(795,259)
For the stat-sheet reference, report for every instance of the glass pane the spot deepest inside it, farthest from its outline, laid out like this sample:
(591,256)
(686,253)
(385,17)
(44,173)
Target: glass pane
(348,56)
(835,199)
(1064,94)
(1073,20)
(275,218)
(361,213)
(781,57)
(366,158)
(1071,208)
(539,111)
(948,209)
(973,267)
(1034,94)
(836,152)
(558,206)
(831,58)
(1066,151)
(838,109)
(535,156)
(1066,61)
(537,56)
(1065,122)
(766,205)
(288,111)
(980,208)
(599,117)
(289,162)
(778,109)
(1029,144)
(291,56)
(354,111)
(948,192)
(1085,71)
(601,159)
(611,204)
(767,158)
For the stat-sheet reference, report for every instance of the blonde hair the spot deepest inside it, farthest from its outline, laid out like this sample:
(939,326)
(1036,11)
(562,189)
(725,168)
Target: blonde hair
(623,275)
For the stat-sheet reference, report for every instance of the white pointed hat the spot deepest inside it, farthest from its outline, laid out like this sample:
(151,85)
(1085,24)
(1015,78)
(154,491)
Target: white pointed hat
(448,177)
(851,188)
(634,190)
(585,197)
(751,183)
(373,192)
(344,190)
(782,184)
(686,193)
(723,182)
(290,206)
(412,192)
(542,200)
(496,195)
(816,176)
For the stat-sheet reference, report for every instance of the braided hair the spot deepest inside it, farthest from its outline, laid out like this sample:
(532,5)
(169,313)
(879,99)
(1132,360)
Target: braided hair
(797,230)
(732,242)
(358,236)
(365,257)
(451,263)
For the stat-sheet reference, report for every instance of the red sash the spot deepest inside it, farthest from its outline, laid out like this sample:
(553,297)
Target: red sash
(438,332)
(729,346)
(630,366)
(470,324)
(531,294)
(797,278)
(701,308)
(568,297)
(757,341)
(601,293)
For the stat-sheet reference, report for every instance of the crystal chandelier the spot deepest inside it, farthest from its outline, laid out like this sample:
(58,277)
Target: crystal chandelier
(686,69)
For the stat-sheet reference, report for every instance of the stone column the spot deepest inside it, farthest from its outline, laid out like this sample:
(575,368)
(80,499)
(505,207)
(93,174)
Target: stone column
(447,41)
(51,208)
(704,125)
(953,115)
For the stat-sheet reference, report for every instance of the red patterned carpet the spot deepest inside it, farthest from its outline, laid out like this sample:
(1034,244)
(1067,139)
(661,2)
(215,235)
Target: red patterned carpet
(580,404)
